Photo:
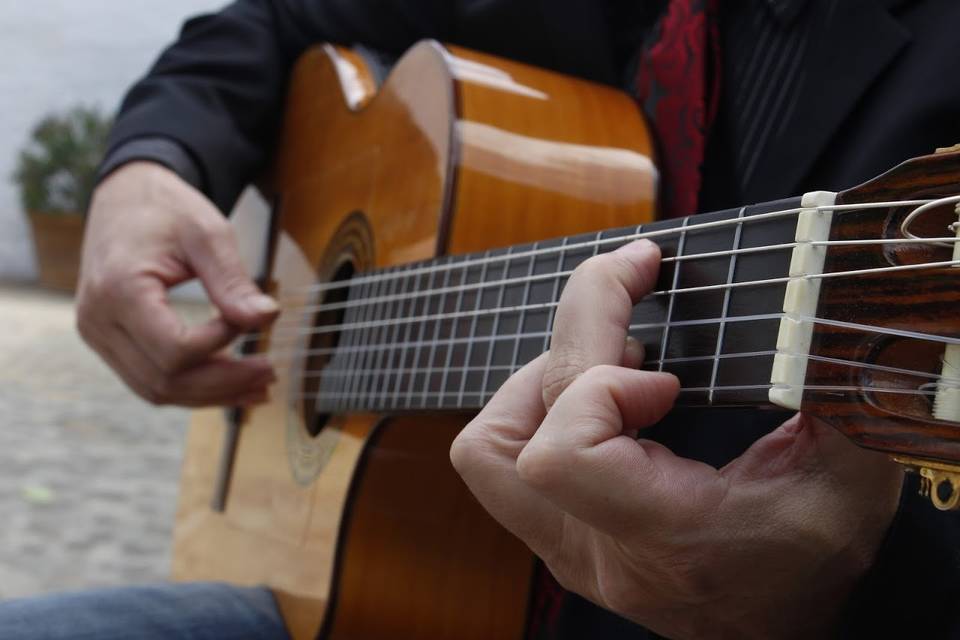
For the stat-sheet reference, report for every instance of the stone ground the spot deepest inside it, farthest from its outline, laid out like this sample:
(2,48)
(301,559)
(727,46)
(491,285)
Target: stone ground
(88,472)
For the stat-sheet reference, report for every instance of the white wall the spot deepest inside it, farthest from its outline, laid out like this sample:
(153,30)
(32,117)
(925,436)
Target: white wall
(56,53)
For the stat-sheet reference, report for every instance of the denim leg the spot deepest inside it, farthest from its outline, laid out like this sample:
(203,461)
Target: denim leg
(187,611)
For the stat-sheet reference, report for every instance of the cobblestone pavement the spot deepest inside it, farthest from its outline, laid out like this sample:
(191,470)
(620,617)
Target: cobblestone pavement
(88,472)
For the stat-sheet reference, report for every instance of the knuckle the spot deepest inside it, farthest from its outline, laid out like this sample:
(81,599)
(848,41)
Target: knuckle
(469,448)
(460,452)
(158,392)
(212,230)
(93,288)
(560,375)
(614,591)
(541,466)
(84,324)
(174,357)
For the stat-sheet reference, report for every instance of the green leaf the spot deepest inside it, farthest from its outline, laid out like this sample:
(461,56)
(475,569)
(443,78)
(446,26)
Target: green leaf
(56,171)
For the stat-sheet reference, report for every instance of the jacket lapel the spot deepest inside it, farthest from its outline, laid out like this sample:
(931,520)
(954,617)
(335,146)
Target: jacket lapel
(859,39)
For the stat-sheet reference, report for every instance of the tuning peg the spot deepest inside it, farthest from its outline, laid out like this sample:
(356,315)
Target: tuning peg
(938,481)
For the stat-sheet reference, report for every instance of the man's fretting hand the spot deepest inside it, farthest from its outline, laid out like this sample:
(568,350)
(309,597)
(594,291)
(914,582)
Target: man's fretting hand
(769,546)
(147,231)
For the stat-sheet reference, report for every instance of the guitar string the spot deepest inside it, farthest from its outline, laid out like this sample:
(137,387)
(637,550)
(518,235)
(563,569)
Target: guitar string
(355,326)
(485,395)
(512,336)
(521,280)
(294,353)
(338,372)
(913,215)
(590,244)
(463,264)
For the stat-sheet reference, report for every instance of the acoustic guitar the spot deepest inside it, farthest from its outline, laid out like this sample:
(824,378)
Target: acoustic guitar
(408,251)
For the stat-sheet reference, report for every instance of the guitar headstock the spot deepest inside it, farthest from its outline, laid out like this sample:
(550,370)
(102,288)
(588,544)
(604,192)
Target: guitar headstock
(884,354)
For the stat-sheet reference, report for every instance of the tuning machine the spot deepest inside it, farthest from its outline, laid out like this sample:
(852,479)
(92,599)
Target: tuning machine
(938,481)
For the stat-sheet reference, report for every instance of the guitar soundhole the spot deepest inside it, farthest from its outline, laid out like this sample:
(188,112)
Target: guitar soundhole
(321,346)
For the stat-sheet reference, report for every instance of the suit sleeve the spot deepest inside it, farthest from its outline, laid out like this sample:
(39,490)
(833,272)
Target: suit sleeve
(218,90)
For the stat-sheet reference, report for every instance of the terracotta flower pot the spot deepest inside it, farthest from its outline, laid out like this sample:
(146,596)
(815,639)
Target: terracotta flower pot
(57,239)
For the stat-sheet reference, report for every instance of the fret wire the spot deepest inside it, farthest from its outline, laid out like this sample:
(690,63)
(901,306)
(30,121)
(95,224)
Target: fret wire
(420,344)
(358,343)
(415,284)
(523,313)
(377,378)
(370,384)
(344,351)
(337,387)
(406,284)
(362,338)
(555,297)
(472,334)
(453,333)
(404,384)
(676,278)
(436,336)
(495,328)
(368,381)
(726,305)
(375,324)
(694,227)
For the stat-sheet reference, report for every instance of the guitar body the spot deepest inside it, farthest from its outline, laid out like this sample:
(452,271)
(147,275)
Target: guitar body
(358,522)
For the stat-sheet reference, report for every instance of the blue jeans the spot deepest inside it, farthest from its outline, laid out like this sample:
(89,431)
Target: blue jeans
(191,611)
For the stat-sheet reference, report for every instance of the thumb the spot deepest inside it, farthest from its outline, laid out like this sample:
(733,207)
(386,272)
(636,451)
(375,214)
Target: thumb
(212,252)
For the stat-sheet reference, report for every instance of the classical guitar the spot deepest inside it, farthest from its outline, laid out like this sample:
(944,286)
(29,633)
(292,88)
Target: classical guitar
(407,249)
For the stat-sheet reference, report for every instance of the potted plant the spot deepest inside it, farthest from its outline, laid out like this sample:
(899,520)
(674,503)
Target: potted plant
(56,173)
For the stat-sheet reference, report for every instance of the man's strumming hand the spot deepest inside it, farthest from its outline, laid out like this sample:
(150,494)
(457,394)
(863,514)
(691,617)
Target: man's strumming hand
(147,231)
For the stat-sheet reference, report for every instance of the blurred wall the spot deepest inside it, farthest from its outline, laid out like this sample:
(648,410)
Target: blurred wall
(56,53)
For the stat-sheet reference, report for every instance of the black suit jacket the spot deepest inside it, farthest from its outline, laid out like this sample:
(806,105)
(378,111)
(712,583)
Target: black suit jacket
(883,90)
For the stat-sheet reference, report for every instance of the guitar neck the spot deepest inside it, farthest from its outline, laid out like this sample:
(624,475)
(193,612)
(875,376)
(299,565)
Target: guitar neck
(445,334)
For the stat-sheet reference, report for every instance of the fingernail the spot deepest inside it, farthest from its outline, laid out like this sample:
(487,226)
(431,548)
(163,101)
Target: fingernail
(261,303)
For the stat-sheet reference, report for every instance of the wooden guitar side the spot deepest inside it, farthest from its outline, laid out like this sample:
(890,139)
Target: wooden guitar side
(365,531)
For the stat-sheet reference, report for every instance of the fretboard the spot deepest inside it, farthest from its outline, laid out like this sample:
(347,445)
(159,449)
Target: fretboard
(446,333)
